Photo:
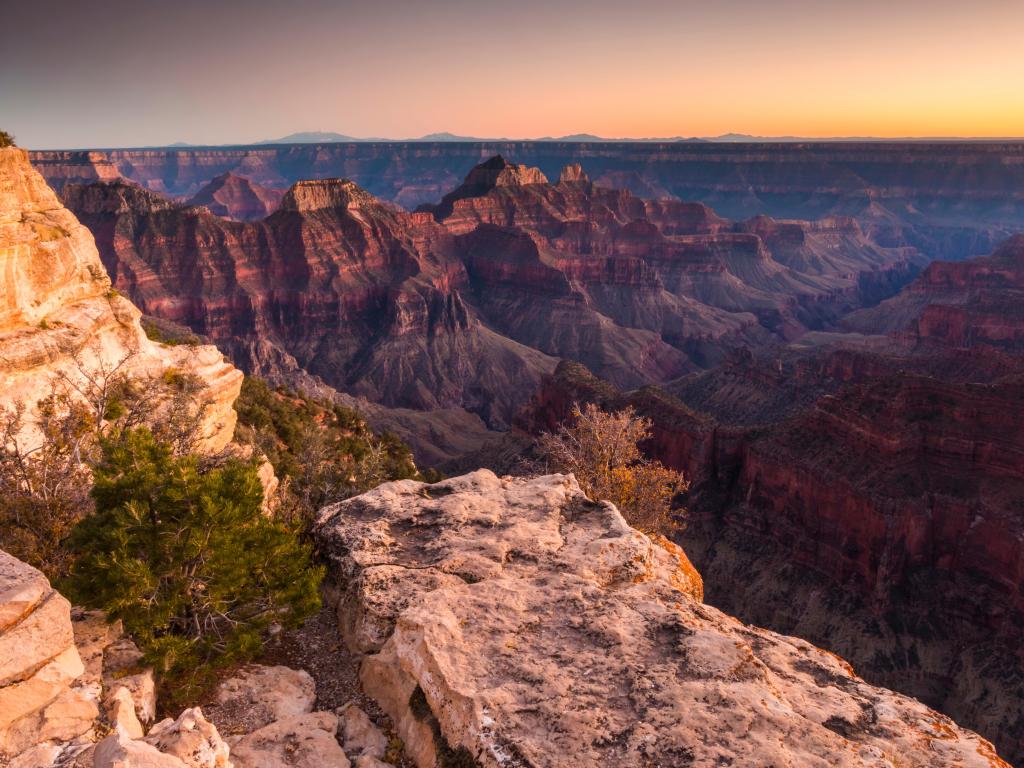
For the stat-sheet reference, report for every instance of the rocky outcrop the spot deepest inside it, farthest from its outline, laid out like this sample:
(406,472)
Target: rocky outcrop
(70,678)
(236,197)
(866,485)
(514,622)
(60,317)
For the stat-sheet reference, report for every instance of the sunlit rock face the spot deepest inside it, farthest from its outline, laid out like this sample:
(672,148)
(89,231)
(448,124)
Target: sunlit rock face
(60,317)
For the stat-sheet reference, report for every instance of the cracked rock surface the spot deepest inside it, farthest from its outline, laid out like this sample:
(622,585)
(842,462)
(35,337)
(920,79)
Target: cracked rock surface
(512,622)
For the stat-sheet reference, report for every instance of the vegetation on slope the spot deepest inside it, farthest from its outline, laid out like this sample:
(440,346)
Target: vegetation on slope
(322,452)
(6,140)
(187,559)
(116,506)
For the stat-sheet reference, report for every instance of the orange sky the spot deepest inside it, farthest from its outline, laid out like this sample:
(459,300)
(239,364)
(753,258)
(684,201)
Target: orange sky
(128,73)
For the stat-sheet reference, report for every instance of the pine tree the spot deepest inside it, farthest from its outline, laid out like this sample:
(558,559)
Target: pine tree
(187,560)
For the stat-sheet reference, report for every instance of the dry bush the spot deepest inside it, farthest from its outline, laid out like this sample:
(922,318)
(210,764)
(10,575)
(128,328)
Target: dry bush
(602,450)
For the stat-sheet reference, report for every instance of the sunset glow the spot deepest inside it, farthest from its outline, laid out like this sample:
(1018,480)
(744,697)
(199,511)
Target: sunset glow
(120,73)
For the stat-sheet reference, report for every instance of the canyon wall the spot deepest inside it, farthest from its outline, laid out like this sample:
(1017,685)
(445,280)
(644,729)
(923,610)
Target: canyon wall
(468,303)
(867,488)
(949,200)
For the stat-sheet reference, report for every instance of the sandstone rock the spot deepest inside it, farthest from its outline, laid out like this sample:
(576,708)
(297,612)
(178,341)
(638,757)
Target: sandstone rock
(192,739)
(93,636)
(259,695)
(21,589)
(304,741)
(573,174)
(119,751)
(123,668)
(39,756)
(359,734)
(38,663)
(237,197)
(60,317)
(68,716)
(121,712)
(572,639)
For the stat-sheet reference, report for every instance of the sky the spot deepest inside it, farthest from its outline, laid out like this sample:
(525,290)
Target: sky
(110,73)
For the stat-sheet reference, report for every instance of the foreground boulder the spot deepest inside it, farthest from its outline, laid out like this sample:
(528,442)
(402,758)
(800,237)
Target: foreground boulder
(39,664)
(513,622)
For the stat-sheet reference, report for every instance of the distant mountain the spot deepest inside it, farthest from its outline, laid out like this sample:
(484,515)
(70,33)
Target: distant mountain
(445,136)
(311,137)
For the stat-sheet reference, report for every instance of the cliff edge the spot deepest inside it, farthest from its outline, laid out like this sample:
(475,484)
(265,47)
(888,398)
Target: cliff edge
(513,622)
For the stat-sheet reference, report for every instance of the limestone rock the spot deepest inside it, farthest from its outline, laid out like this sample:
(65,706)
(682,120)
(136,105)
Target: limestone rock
(39,756)
(192,739)
(304,741)
(60,317)
(93,636)
(572,639)
(260,695)
(119,751)
(121,712)
(359,734)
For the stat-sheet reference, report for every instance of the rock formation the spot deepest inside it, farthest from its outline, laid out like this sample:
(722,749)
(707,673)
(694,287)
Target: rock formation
(40,701)
(869,482)
(68,679)
(236,197)
(514,622)
(467,304)
(60,317)
(948,200)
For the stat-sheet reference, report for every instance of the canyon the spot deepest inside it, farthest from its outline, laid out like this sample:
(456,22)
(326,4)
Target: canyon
(467,304)
(950,200)
(845,406)
(63,325)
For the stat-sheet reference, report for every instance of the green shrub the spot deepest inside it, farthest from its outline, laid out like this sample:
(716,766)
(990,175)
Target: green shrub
(187,560)
(6,140)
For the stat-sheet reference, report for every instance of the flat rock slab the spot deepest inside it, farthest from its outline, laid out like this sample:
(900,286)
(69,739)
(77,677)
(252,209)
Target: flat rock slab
(541,630)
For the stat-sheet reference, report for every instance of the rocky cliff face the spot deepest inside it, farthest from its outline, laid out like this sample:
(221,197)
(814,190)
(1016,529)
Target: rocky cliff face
(465,305)
(60,317)
(979,302)
(514,622)
(948,200)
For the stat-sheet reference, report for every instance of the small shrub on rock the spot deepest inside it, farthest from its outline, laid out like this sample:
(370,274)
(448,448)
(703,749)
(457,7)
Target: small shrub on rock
(602,450)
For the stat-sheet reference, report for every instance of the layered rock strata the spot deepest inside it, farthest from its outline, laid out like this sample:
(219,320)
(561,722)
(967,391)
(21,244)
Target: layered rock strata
(949,200)
(467,304)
